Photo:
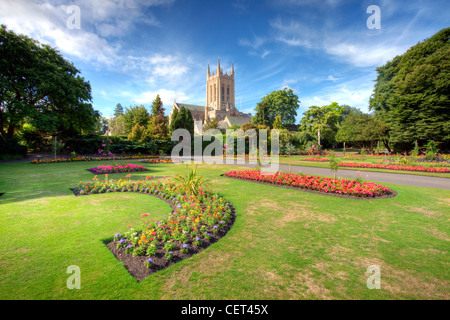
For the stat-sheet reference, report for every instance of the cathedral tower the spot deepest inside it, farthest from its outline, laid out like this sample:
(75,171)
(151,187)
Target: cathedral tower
(220,90)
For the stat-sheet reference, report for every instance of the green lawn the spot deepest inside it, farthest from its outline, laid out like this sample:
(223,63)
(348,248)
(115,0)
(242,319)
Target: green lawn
(285,244)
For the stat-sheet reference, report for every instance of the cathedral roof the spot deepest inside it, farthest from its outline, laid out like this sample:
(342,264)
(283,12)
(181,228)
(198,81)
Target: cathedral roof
(230,121)
(190,107)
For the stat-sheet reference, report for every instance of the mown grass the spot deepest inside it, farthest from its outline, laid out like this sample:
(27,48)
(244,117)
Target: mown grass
(285,244)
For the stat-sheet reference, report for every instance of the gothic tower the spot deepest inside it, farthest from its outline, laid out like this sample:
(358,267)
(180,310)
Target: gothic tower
(220,90)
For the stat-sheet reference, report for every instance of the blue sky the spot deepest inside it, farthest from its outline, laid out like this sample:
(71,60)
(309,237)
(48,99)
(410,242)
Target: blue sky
(131,50)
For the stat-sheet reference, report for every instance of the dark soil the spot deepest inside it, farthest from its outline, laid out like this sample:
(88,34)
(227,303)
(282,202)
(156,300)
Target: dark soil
(118,172)
(135,265)
(390,195)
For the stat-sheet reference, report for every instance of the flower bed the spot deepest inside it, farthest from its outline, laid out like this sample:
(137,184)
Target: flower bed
(325,185)
(89,158)
(118,169)
(393,167)
(195,223)
(316,159)
(162,161)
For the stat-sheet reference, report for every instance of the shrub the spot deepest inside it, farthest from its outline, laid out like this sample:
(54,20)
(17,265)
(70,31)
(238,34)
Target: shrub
(10,148)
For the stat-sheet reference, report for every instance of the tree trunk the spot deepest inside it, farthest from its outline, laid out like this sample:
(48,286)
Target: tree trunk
(11,129)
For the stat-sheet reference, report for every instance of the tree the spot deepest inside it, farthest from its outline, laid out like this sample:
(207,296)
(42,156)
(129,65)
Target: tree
(157,106)
(262,115)
(411,93)
(211,124)
(283,103)
(158,124)
(135,115)
(117,125)
(137,134)
(364,130)
(182,120)
(288,149)
(118,111)
(187,120)
(157,127)
(325,119)
(38,86)
(172,125)
(102,125)
(277,124)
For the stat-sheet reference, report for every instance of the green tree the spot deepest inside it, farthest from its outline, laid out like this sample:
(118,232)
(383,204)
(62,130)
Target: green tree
(278,124)
(411,93)
(211,124)
(158,126)
(262,115)
(38,86)
(283,103)
(135,115)
(173,123)
(118,111)
(138,133)
(157,106)
(102,125)
(117,125)
(325,119)
(183,120)
(364,130)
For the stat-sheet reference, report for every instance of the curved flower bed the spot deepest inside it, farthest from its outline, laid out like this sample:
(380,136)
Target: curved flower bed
(118,169)
(393,167)
(195,223)
(162,161)
(323,185)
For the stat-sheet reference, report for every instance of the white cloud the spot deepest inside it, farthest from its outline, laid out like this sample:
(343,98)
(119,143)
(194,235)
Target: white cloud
(295,42)
(355,93)
(265,53)
(46,22)
(255,43)
(363,55)
(360,49)
(167,97)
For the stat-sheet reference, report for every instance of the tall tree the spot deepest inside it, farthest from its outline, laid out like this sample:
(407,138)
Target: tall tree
(158,124)
(183,120)
(325,119)
(262,115)
(117,125)
(135,115)
(118,111)
(283,103)
(173,124)
(157,106)
(364,130)
(411,93)
(40,87)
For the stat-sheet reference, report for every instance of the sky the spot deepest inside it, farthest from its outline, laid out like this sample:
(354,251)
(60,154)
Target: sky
(131,50)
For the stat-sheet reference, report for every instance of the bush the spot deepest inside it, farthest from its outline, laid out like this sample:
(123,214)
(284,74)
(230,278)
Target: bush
(10,148)
(32,137)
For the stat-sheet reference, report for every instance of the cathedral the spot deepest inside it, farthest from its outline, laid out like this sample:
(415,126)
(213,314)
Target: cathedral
(220,102)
